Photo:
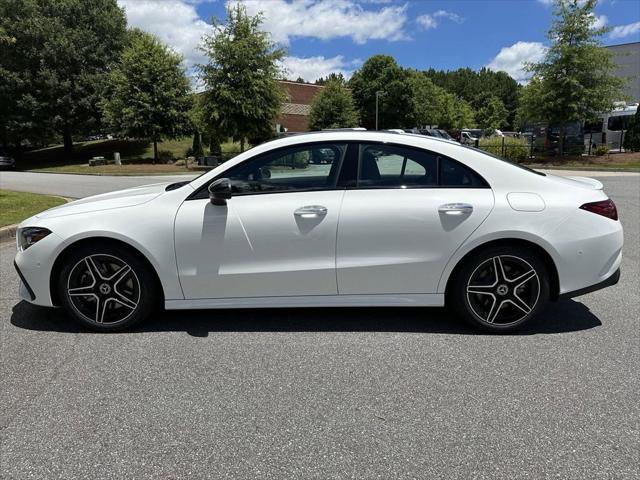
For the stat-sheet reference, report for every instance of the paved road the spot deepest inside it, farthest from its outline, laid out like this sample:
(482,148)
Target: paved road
(78,186)
(323,394)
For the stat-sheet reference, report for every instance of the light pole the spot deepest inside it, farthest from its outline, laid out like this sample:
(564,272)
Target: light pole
(379,93)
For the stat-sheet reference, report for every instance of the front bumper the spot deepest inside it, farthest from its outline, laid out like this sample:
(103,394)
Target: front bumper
(26,291)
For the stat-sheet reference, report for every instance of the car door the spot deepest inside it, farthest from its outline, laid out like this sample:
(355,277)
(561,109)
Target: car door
(410,211)
(276,236)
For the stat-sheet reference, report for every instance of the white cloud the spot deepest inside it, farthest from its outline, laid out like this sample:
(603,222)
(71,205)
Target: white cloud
(312,68)
(601,21)
(326,19)
(432,20)
(622,31)
(175,22)
(511,59)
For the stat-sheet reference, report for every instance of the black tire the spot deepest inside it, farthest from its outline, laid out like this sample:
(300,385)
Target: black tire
(502,303)
(97,291)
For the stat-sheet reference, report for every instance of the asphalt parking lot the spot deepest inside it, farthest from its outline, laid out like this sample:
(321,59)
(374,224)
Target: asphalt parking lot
(323,394)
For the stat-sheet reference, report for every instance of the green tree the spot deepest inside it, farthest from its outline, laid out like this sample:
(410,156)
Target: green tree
(381,73)
(333,107)
(492,115)
(149,92)
(456,113)
(575,77)
(242,95)
(53,60)
(632,135)
(339,77)
(474,86)
(427,101)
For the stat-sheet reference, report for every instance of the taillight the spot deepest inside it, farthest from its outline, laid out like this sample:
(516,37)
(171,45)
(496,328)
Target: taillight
(606,208)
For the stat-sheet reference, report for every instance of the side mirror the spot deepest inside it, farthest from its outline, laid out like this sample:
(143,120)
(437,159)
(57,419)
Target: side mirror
(220,191)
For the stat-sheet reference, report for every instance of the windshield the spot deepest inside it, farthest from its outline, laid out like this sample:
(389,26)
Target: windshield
(505,160)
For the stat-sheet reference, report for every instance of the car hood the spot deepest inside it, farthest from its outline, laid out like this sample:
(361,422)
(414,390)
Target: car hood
(584,182)
(119,199)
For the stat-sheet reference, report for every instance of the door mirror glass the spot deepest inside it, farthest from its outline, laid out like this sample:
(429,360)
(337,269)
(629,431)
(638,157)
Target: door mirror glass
(220,191)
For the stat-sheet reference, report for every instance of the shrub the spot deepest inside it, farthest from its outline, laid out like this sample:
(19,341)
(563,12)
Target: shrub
(514,148)
(166,156)
(602,150)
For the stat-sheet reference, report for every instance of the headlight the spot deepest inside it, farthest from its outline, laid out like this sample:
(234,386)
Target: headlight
(29,235)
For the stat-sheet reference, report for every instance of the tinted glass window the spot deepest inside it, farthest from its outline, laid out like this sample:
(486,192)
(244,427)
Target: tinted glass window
(303,167)
(618,123)
(455,174)
(393,166)
(593,127)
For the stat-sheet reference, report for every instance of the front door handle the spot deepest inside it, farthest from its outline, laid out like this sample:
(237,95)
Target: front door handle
(455,209)
(311,211)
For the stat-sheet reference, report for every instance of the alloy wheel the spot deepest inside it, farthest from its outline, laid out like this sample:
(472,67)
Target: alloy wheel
(103,289)
(503,290)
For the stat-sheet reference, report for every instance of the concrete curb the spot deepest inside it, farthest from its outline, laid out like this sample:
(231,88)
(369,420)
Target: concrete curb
(8,233)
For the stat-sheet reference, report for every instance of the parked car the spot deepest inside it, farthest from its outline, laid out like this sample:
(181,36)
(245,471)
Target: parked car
(444,134)
(6,162)
(469,138)
(546,139)
(396,220)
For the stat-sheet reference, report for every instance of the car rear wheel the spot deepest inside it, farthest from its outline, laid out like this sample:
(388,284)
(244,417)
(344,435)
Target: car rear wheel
(500,289)
(106,288)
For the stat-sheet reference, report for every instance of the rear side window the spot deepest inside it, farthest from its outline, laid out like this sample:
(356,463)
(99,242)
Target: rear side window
(383,165)
(394,166)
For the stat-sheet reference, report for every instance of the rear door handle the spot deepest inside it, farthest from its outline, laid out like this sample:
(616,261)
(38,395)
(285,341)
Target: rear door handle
(455,209)
(311,211)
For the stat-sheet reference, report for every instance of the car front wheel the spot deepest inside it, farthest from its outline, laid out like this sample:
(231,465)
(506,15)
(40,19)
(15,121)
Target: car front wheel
(500,289)
(106,288)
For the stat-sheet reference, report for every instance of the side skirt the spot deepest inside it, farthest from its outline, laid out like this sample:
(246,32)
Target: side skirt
(386,300)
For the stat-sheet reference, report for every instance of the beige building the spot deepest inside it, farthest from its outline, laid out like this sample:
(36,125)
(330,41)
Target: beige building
(627,58)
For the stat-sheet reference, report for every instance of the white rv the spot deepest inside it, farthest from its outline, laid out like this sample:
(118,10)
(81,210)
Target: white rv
(609,128)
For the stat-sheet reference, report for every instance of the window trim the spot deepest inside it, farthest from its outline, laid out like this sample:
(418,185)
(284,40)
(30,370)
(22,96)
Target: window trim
(197,195)
(413,187)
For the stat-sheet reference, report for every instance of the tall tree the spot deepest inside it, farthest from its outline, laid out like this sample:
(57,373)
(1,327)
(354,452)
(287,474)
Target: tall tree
(475,86)
(333,107)
(427,101)
(492,115)
(575,78)
(242,93)
(52,68)
(149,92)
(381,73)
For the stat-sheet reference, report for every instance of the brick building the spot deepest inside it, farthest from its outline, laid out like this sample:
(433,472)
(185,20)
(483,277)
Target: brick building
(297,105)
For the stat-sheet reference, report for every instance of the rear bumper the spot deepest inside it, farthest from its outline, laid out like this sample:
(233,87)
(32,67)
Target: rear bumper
(608,282)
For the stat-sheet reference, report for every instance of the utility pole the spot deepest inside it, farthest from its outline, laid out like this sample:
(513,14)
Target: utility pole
(379,93)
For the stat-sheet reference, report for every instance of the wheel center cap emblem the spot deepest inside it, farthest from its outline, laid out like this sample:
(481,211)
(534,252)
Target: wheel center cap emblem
(502,290)
(105,289)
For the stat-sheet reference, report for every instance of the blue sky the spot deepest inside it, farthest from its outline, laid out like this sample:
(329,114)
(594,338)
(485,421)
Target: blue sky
(322,36)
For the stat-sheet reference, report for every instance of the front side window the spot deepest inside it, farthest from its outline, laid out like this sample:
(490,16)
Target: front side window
(297,168)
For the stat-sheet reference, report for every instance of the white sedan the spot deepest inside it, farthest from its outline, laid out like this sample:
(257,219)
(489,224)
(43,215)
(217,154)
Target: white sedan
(335,219)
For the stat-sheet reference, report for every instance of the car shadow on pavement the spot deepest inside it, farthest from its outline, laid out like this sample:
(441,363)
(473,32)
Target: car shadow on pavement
(561,317)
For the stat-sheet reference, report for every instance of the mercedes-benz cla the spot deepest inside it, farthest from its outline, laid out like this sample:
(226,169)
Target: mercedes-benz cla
(390,220)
